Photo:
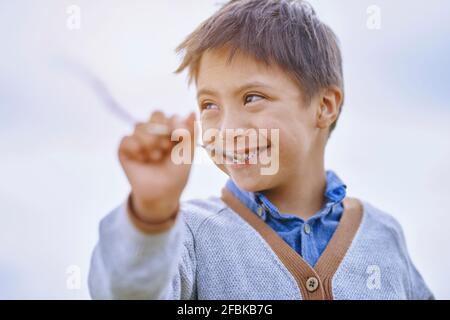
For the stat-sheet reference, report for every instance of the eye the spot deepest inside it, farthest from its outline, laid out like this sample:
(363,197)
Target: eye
(208,106)
(252,98)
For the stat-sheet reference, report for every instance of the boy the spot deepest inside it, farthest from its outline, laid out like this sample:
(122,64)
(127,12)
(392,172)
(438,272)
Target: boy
(289,234)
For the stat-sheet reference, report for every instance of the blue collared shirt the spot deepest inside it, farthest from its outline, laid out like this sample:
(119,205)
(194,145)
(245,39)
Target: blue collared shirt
(308,238)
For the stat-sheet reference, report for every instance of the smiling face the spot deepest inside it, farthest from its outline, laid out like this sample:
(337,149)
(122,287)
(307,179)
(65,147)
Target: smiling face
(249,95)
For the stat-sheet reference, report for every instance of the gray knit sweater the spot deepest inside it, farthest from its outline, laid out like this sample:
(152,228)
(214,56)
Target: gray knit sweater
(218,249)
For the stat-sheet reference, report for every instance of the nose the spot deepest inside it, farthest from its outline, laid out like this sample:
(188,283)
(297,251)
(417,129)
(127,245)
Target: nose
(234,125)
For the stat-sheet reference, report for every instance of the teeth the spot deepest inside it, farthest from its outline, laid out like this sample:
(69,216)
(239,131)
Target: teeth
(239,158)
(235,157)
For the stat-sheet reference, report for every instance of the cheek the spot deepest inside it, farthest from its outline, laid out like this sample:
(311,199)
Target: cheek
(295,144)
(208,131)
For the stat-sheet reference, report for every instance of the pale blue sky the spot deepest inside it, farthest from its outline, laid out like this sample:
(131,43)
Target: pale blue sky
(59,174)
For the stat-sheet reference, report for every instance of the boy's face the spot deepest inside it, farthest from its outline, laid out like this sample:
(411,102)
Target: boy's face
(249,95)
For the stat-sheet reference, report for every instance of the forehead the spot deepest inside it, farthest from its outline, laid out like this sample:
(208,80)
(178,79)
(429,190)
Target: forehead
(215,68)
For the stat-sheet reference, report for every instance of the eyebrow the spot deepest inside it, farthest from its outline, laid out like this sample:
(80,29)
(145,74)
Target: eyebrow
(239,89)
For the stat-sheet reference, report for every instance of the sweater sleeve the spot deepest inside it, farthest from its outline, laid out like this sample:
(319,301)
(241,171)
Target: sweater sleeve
(130,264)
(418,288)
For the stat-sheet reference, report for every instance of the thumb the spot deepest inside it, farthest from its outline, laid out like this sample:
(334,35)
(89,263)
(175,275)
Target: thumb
(190,124)
(184,132)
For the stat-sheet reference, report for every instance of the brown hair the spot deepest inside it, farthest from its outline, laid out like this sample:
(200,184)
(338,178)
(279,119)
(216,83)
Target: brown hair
(285,32)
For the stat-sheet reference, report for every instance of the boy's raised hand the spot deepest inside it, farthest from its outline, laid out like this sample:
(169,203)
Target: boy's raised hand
(146,157)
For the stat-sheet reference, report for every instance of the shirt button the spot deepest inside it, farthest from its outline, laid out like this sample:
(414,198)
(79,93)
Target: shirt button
(259,211)
(307,228)
(312,284)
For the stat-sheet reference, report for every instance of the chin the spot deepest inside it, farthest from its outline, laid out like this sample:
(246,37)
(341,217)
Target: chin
(251,180)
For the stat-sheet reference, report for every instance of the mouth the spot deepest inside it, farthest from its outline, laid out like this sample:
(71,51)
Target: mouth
(244,156)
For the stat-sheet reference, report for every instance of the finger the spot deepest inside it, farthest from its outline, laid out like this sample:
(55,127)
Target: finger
(158,117)
(176,122)
(130,148)
(156,145)
(142,153)
(156,154)
(148,140)
(183,131)
(165,144)
(150,145)
(190,123)
(160,126)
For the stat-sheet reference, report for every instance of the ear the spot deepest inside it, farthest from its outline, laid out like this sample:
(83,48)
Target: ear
(329,105)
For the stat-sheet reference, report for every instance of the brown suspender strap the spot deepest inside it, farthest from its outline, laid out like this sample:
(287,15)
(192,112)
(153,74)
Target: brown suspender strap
(314,283)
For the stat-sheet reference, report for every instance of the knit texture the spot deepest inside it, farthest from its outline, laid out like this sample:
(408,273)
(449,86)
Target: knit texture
(212,253)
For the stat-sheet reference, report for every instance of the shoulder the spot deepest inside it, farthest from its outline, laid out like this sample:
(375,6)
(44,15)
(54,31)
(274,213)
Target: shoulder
(383,232)
(195,212)
(382,225)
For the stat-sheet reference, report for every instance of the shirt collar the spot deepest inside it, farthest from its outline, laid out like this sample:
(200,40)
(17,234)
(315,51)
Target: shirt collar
(335,192)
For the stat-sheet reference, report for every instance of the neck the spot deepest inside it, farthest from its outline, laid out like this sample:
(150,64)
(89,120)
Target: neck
(302,195)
